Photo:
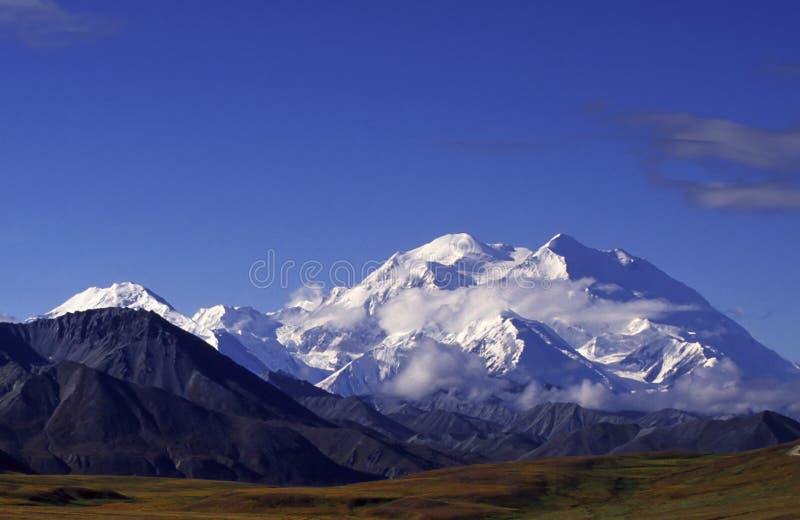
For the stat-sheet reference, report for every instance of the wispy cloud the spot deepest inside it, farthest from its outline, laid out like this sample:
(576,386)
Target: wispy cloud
(740,313)
(432,366)
(712,390)
(773,196)
(414,310)
(7,318)
(686,136)
(770,157)
(45,22)
(785,69)
(716,389)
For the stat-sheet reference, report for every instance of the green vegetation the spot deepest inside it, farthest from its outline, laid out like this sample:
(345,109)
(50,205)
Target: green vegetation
(753,485)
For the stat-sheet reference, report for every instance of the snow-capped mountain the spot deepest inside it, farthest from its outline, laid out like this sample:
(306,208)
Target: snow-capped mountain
(458,313)
(255,331)
(132,296)
(250,326)
(241,333)
(559,314)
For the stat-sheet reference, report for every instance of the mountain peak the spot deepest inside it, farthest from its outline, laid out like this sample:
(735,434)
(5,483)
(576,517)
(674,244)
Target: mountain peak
(227,316)
(563,242)
(451,248)
(216,311)
(129,295)
(132,289)
(579,256)
(121,294)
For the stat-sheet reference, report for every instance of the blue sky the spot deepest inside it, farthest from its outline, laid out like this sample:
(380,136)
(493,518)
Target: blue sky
(174,143)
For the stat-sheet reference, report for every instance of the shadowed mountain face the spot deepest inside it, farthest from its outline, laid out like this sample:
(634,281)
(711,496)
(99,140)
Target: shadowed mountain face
(69,418)
(142,348)
(486,433)
(717,436)
(119,391)
(699,435)
(596,439)
(552,419)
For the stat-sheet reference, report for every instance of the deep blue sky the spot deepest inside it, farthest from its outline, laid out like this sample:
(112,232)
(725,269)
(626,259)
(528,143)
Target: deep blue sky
(173,143)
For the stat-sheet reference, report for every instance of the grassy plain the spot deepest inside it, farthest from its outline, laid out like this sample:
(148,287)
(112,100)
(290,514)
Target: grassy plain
(754,485)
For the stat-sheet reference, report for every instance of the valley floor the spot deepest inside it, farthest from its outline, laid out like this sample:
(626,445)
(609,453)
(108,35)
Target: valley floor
(754,485)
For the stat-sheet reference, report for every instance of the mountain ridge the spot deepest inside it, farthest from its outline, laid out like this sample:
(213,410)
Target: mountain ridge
(558,316)
(124,391)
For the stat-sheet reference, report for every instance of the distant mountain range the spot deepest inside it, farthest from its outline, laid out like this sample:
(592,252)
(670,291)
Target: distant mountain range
(458,314)
(124,392)
(453,353)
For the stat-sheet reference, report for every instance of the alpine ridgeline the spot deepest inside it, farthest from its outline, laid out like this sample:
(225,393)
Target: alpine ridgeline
(482,322)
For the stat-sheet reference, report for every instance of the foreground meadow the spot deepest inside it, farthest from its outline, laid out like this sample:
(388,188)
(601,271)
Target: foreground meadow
(753,485)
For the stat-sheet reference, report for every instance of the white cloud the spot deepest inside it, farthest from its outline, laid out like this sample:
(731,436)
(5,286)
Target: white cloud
(45,22)
(432,366)
(687,136)
(768,196)
(715,390)
(7,318)
(441,314)
(338,317)
(709,390)
(307,298)
(770,158)
(567,302)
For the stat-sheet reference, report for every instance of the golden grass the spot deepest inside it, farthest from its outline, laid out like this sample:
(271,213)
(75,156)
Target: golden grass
(760,484)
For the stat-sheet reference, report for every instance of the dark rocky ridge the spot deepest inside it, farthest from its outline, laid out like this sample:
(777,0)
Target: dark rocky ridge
(699,435)
(142,348)
(119,391)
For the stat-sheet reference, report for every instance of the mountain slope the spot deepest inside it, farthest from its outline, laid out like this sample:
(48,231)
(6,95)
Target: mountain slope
(142,348)
(252,336)
(137,361)
(597,439)
(558,315)
(129,295)
(96,424)
(700,435)
(555,419)
(720,436)
(241,333)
